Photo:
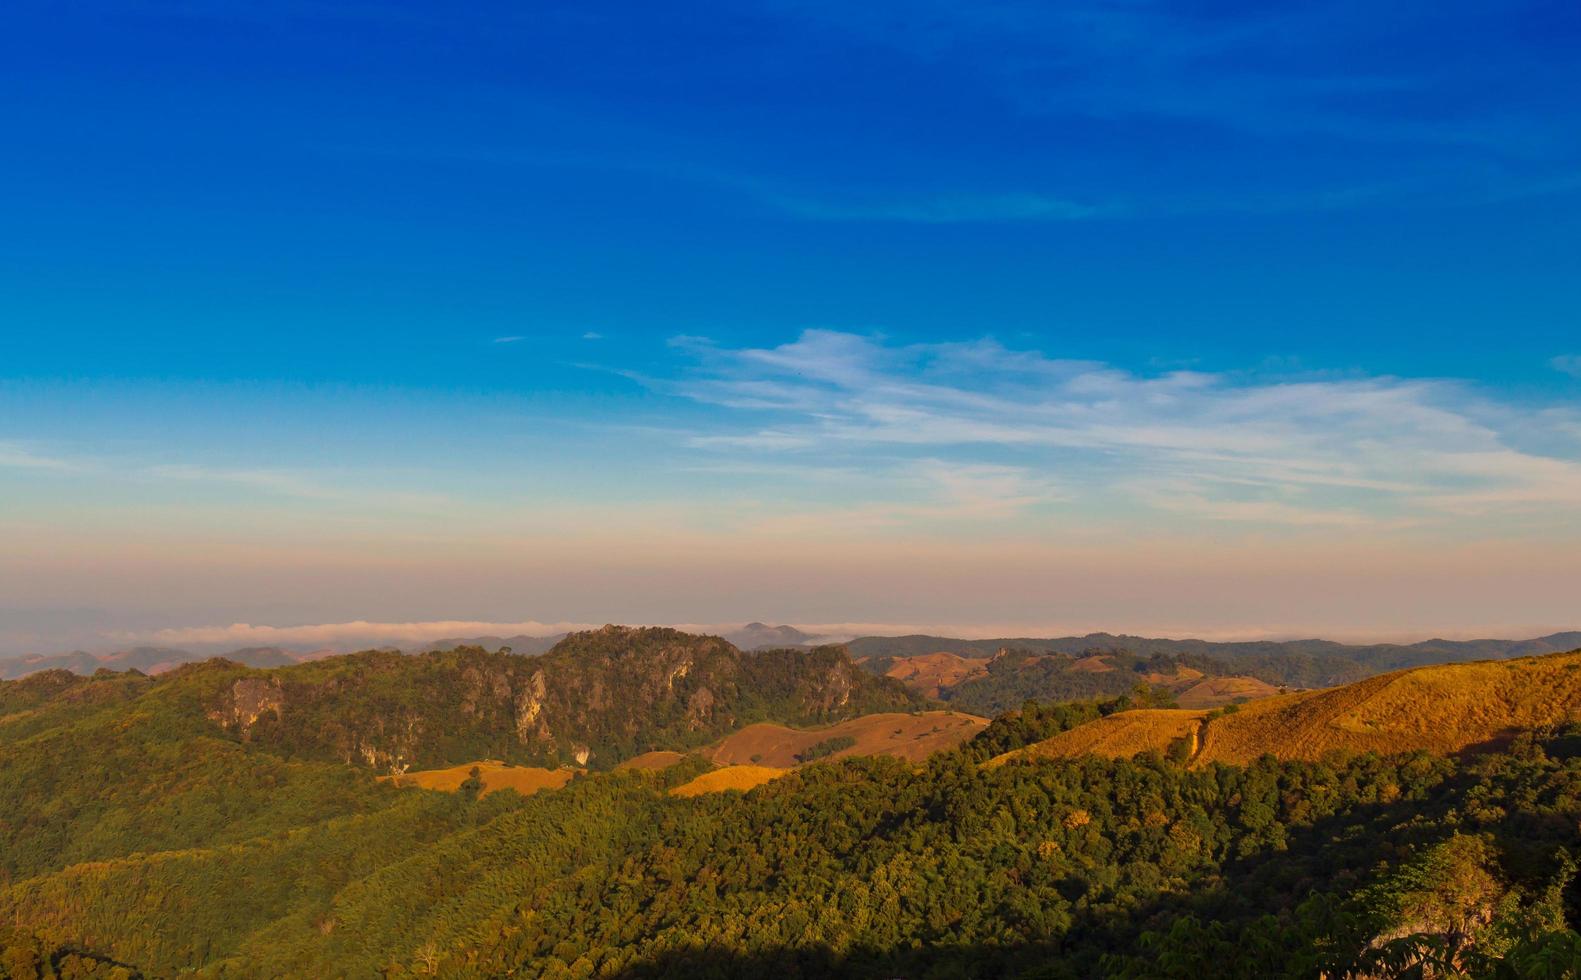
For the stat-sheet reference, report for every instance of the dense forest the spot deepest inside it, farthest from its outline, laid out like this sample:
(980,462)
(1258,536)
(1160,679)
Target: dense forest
(144,833)
(1015,676)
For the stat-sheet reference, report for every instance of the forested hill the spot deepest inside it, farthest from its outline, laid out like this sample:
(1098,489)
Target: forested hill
(594,699)
(135,842)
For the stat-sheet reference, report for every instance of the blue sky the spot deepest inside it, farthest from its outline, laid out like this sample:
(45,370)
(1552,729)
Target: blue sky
(759,310)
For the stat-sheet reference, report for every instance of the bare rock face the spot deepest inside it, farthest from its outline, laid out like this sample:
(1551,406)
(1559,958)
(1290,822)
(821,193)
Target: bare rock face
(530,722)
(837,693)
(390,744)
(250,698)
(700,708)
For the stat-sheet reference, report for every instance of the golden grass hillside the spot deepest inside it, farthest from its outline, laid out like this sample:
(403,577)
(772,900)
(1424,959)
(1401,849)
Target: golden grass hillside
(653,761)
(496,776)
(904,736)
(931,673)
(749,757)
(1119,736)
(1181,675)
(1445,708)
(740,778)
(1216,691)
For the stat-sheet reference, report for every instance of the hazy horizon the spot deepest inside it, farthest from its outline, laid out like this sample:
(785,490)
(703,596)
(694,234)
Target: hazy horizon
(361,634)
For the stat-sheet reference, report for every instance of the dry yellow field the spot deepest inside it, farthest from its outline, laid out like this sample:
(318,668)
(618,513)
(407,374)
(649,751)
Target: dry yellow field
(1444,708)
(930,673)
(658,759)
(740,778)
(1119,736)
(496,776)
(1182,675)
(1218,691)
(910,737)
(1096,664)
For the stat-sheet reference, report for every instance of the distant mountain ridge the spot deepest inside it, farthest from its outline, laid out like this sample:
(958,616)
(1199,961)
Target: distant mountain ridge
(758,636)
(753,636)
(520,643)
(1291,663)
(148,660)
(916,644)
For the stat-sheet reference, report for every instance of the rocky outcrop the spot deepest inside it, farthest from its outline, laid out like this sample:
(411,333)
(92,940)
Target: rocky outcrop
(602,695)
(249,699)
(529,709)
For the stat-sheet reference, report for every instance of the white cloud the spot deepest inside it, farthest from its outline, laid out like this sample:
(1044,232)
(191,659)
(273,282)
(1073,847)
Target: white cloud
(592,335)
(1353,451)
(1568,363)
(513,338)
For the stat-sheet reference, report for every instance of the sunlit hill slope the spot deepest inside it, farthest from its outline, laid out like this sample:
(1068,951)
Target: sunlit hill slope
(1443,709)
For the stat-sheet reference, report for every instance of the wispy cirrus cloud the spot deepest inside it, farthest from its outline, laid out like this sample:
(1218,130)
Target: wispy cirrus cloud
(20,457)
(1363,451)
(270,481)
(1568,363)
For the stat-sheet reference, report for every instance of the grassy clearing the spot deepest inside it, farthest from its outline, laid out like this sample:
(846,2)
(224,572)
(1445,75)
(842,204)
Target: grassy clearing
(496,776)
(905,736)
(931,673)
(1119,736)
(741,778)
(1217,691)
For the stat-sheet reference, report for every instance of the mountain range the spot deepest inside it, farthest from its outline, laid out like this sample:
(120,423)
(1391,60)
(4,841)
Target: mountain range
(1300,662)
(638,803)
